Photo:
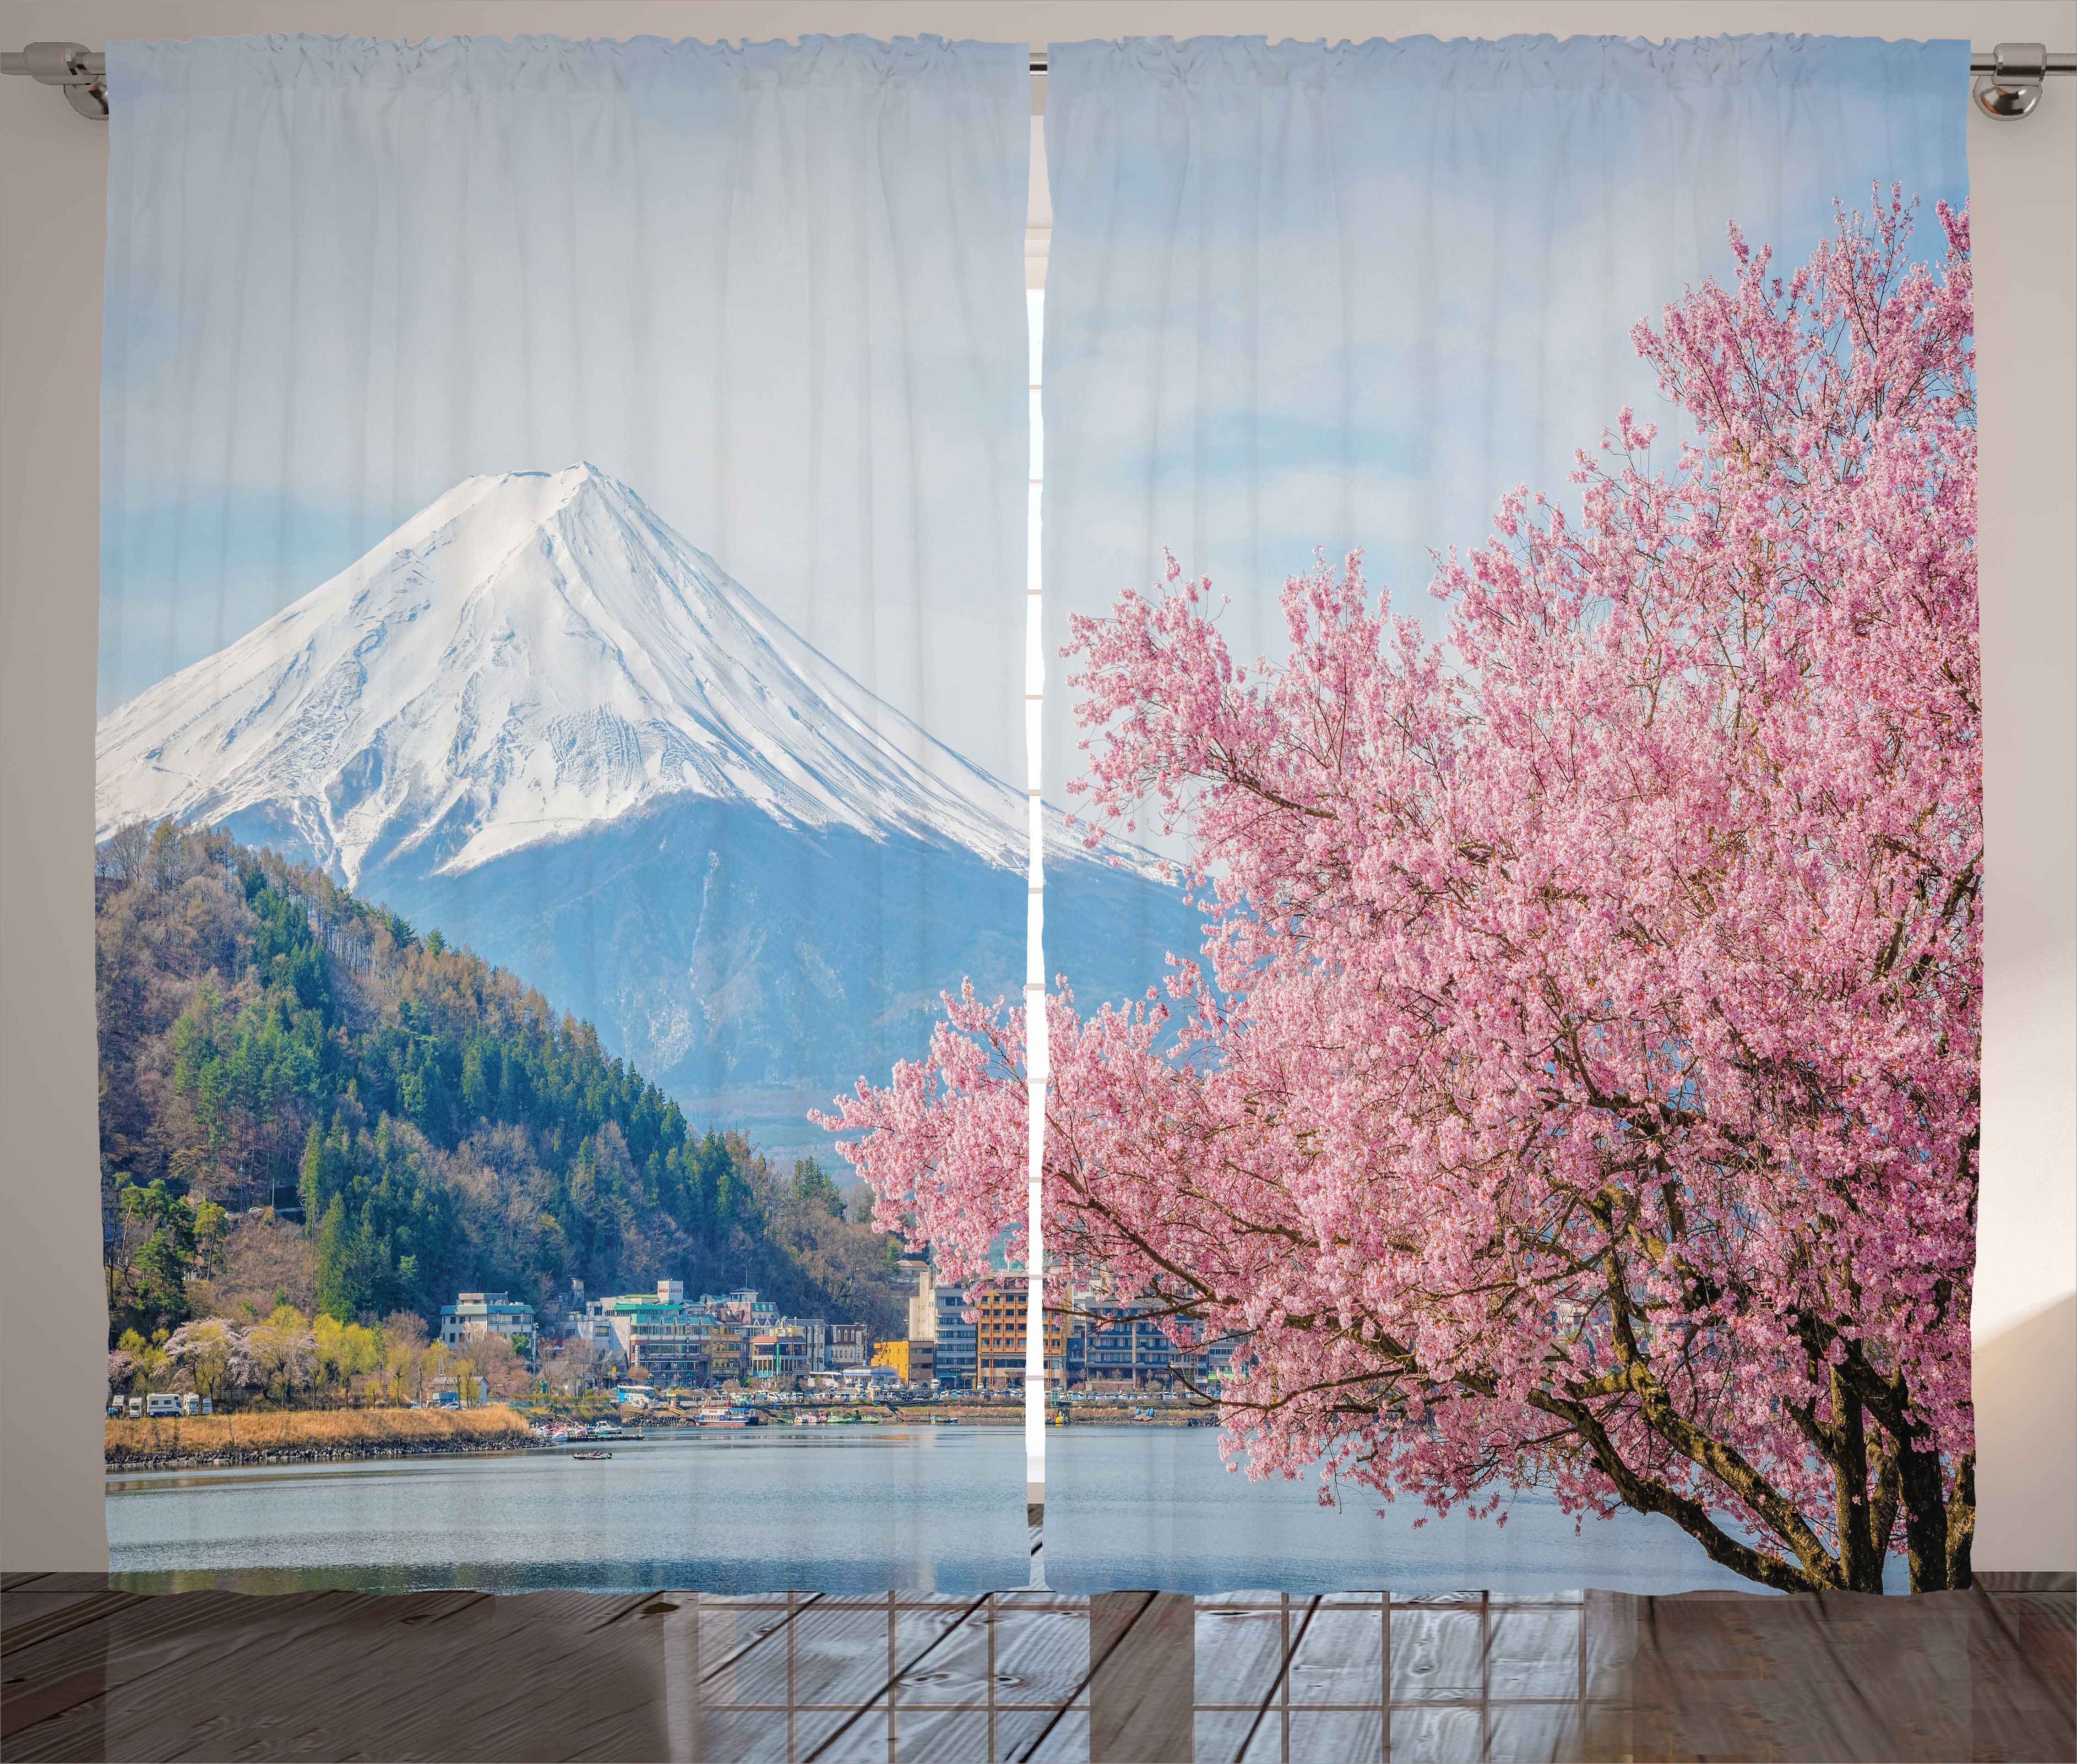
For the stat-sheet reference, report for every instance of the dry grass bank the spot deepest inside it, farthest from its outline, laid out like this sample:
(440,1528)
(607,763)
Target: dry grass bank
(343,1433)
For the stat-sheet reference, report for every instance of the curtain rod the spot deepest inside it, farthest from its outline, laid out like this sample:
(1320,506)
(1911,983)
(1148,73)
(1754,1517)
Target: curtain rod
(2008,77)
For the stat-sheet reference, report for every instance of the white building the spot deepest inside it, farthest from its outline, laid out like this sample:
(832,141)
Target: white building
(487,1313)
(662,1334)
(923,1303)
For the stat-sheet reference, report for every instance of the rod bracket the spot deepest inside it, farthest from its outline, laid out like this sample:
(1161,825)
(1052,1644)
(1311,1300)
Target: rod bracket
(80,72)
(2012,87)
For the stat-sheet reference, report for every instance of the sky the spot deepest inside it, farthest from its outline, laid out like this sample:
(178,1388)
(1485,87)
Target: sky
(1298,298)
(1302,297)
(777,292)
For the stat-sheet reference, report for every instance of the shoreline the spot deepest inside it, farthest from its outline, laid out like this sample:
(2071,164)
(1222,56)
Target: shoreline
(354,1435)
(135,1465)
(300,1436)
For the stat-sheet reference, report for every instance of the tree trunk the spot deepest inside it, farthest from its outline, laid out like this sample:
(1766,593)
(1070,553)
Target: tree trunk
(1925,1530)
(1861,1552)
(1962,1524)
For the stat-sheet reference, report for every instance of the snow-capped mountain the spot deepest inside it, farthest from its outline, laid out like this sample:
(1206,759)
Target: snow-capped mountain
(538,720)
(533,655)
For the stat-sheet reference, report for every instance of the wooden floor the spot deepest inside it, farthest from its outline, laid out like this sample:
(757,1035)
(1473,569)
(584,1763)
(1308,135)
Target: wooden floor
(93,1673)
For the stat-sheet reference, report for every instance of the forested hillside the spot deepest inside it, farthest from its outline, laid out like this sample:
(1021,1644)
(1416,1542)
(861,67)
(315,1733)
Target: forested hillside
(268,1040)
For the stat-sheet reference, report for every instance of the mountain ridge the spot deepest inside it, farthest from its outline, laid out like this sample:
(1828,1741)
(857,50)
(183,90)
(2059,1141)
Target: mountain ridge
(538,718)
(587,662)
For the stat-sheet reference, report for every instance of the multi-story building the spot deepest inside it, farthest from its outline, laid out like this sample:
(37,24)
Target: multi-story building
(743,1306)
(956,1338)
(778,1354)
(922,1302)
(999,1316)
(487,1313)
(849,1345)
(662,1334)
(913,1361)
(815,1332)
(1215,1359)
(1114,1343)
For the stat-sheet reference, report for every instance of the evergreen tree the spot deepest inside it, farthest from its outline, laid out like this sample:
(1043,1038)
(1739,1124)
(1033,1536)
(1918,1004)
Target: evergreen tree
(443,1126)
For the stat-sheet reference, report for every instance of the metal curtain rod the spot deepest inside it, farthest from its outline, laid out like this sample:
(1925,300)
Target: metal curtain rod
(2008,78)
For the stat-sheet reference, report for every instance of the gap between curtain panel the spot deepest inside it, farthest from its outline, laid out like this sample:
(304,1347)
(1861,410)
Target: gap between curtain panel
(1034,953)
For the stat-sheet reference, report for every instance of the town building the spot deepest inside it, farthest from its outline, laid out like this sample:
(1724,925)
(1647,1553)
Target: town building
(912,1362)
(1114,1343)
(815,1332)
(743,1306)
(487,1313)
(660,1333)
(714,1339)
(728,1357)
(850,1344)
(999,1316)
(780,1353)
(1216,1360)
(956,1337)
(922,1302)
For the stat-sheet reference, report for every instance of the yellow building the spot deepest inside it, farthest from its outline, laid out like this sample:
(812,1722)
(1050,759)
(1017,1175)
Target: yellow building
(915,1363)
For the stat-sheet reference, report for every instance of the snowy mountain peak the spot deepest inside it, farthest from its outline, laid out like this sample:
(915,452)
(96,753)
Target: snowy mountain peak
(532,654)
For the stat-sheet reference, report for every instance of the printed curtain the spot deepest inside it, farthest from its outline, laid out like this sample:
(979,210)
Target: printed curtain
(1555,1149)
(1506,1114)
(563,547)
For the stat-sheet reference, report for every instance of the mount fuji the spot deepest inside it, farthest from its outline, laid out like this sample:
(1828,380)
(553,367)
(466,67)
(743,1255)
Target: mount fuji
(536,717)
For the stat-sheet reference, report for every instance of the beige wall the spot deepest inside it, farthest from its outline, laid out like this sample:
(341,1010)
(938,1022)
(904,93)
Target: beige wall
(52,174)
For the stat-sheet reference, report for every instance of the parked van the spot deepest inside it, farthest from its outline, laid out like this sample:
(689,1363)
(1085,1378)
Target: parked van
(137,1408)
(192,1404)
(119,1406)
(162,1402)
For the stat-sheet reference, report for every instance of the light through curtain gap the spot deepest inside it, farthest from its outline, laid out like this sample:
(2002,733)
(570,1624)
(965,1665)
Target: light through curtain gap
(1035,959)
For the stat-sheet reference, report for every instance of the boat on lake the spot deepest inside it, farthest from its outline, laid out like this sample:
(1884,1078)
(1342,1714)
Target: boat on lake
(588,1457)
(735,1415)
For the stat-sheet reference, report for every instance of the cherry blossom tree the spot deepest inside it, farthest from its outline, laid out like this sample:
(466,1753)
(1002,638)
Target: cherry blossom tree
(1577,1087)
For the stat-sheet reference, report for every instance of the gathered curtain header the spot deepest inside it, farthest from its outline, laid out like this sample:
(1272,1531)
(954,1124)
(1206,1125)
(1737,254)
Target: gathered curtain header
(501,63)
(1512,64)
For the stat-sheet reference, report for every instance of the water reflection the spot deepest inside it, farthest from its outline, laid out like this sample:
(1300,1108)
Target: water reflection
(850,1511)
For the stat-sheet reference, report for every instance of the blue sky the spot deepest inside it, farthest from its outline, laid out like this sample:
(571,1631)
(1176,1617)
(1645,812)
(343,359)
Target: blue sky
(777,292)
(1300,297)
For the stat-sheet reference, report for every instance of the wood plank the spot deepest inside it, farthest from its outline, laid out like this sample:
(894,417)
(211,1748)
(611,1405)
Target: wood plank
(1985,1675)
(1143,1677)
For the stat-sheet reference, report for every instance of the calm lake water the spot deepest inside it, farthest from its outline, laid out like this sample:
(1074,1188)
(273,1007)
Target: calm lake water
(858,1510)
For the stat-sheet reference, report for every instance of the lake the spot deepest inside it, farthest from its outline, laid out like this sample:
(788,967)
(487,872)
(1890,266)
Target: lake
(850,1510)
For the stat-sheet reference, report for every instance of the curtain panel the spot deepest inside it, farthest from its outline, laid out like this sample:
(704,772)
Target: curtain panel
(1537,1131)
(563,543)
(1505,1113)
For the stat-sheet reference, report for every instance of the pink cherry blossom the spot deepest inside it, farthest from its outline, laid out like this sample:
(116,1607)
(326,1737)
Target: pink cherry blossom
(1577,1087)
